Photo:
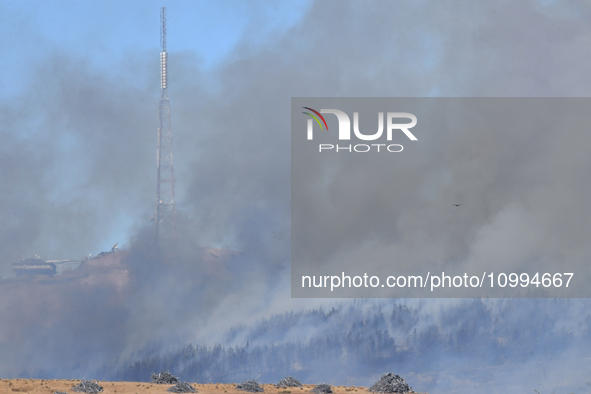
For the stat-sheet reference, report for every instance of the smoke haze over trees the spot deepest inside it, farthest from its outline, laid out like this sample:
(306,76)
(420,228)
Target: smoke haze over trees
(77,169)
(483,345)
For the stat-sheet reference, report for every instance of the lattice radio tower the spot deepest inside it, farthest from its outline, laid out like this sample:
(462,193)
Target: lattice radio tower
(165,206)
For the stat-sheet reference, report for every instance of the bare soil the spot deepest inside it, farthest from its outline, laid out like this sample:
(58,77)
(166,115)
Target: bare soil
(39,386)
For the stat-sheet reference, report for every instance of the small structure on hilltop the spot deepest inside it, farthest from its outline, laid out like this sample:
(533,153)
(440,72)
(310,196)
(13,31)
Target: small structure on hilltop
(29,267)
(38,266)
(34,266)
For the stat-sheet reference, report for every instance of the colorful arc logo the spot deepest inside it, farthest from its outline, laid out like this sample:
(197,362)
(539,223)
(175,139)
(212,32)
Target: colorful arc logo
(315,118)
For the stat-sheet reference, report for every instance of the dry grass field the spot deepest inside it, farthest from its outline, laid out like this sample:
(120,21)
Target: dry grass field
(40,386)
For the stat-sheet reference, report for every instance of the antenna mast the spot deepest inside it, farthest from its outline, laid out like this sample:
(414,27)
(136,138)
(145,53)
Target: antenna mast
(165,204)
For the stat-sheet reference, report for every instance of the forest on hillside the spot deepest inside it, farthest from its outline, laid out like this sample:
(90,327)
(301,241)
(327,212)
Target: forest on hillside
(353,344)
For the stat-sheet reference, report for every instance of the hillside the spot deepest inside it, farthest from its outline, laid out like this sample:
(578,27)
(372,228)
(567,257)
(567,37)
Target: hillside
(480,342)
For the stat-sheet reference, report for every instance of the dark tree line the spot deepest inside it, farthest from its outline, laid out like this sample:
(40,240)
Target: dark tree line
(354,344)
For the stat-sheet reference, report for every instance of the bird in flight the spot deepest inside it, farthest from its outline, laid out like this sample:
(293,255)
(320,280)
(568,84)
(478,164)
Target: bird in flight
(456,205)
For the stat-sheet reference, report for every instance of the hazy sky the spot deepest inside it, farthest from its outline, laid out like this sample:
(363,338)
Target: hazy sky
(80,85)
(106,32)
(61,54)
(78,100)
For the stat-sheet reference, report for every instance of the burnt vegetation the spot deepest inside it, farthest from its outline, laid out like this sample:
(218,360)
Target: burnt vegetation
(288,382)
(87,386)
(351,343)
(182,387)
(164,377)
(251,386)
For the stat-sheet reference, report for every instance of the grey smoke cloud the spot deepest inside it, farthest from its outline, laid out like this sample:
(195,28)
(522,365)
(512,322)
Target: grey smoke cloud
(83,157)
(74,161)
(512,163)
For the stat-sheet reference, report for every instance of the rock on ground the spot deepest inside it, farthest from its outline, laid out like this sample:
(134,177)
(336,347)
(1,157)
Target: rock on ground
(164,378)
(322,388)
(288,382)
(182,387)
(251,386)
(87,386)
(390,383)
